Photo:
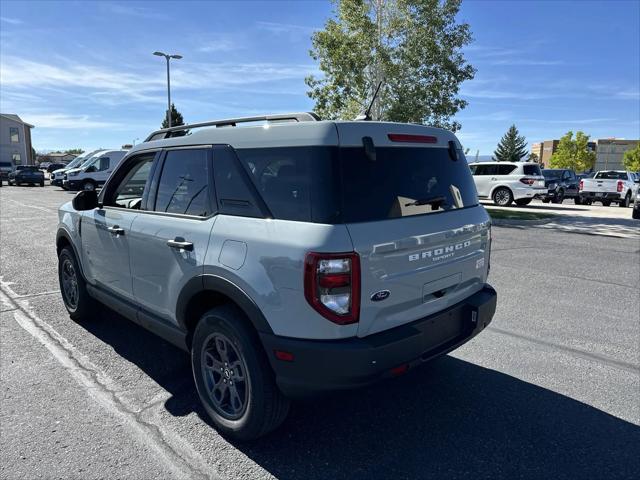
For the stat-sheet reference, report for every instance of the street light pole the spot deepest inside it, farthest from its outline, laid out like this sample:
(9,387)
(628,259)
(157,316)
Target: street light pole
(168,58)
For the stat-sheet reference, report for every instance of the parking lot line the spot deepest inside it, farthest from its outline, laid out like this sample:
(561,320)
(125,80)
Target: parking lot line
(173,450)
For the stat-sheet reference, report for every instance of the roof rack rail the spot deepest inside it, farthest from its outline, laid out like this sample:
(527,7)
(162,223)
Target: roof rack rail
(232,122)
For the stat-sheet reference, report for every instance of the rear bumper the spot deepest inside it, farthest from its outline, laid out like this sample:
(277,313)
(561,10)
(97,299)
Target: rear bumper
(528,192)
(325,365)
(57,182)
(613,196)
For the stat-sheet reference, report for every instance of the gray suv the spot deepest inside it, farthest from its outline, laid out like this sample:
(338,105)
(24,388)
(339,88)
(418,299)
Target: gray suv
(289,257)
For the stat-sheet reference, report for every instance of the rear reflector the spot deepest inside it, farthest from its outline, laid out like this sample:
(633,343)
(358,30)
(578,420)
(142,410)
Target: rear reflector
(401,137)
(284,356)
(400,369)
(620,185)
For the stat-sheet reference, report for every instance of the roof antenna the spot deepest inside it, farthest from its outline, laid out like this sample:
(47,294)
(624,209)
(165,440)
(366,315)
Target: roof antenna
(366,116)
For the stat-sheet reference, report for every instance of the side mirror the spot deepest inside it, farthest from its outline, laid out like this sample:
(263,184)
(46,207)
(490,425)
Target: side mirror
(85,200)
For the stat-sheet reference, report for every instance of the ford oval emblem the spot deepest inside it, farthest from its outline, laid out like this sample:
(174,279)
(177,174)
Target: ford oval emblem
(381,295)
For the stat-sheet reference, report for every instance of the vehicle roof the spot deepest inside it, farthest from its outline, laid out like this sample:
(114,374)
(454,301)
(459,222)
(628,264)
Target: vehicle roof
(308,133)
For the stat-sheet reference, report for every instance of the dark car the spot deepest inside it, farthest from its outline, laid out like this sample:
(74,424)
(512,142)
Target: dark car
(561,183)
(55,166)
(26,174)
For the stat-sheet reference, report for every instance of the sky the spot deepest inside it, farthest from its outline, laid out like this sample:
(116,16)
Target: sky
(83,72)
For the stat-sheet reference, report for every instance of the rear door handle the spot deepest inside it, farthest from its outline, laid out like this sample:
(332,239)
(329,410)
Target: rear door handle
(116,230)
(180,244)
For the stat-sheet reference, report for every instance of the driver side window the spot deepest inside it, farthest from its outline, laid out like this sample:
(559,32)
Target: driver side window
(129,192)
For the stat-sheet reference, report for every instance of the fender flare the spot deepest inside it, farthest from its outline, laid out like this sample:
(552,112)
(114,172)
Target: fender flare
(63,233)
(218,284)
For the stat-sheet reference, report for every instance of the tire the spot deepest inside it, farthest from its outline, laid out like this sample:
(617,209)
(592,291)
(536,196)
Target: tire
(626,202)
(636,213)
(523,202)
(577,200)
(89,185)
(606,203)
(42,183)
(545,200)
(559,197)
(587,202)
(502,197)
(258,406)
(75,296)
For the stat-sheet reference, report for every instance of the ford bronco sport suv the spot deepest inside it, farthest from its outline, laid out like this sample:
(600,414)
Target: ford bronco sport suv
(291,257)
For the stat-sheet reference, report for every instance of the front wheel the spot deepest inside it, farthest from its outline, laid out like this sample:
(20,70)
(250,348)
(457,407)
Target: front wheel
(502,197)
(75,296)
(636,213)
(42,183)
(577,200)
(559,197)
(89,186)
(232,374)
(523,202)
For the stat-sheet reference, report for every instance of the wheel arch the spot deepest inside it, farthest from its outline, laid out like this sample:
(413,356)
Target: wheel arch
(208,291)
(63,239)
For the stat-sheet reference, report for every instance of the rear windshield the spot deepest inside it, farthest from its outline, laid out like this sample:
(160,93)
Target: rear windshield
(532,170)
(611,175)
(342,185)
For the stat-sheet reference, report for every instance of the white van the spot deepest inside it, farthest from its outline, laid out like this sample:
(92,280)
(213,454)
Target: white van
(94,172)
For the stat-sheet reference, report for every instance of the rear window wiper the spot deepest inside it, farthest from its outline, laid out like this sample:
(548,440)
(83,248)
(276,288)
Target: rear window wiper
(435,202)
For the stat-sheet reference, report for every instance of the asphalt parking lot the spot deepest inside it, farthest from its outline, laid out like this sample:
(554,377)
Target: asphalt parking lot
(550,389)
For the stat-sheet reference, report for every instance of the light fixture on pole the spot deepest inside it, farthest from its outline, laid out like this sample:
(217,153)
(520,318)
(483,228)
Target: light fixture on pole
(168,57)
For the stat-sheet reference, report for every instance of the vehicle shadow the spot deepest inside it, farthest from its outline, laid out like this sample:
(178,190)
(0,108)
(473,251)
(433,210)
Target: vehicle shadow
(611,227)
(448,419)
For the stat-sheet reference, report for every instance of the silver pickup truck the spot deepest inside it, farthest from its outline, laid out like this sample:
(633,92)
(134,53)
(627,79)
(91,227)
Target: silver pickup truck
(610,186)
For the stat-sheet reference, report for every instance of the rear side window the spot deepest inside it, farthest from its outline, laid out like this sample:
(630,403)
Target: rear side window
(402,182)
(183,186)
(532,170)
(491,169)
(506,169)
(234,195)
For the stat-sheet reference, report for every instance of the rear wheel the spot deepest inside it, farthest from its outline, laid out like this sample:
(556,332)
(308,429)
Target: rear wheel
(577,200)
(636,213)
(627,200)
(559,197)
(502,197)
(523,201)
(232,374)
(606,203)
(76,299)
(42,183)
(545,200)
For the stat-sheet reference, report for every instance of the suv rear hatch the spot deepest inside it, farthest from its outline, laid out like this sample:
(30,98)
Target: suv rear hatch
(414,219)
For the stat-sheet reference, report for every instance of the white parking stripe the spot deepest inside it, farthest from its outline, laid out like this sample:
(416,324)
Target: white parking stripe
(171,448)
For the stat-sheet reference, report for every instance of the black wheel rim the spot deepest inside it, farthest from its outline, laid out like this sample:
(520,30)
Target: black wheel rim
(70,284)
(225,376)
(502,197)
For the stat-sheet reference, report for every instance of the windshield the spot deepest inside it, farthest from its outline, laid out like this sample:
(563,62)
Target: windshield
(611,175)
(75,162)
(552,173)
(343,185)
(90,161)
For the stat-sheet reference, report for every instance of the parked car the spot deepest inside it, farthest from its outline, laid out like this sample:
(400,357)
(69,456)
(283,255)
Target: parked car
(267,254)
(561,183)
(94,172)
(57,176)
(636,206)
(609,186)
(29,174)
(52,167)
(506,182)
(5,169)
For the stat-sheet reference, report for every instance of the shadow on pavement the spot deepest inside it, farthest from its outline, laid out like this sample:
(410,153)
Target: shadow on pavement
(449,419)
(610,227)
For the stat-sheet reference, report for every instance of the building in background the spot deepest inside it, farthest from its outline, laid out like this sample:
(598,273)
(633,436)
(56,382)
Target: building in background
(58,157)
(544,150)
(15,140)
(610,153)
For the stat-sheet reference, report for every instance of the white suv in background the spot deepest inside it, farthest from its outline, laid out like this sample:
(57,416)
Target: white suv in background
(505,182)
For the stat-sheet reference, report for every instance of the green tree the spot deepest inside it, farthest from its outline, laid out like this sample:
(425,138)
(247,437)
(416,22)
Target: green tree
(176,118)
(631,159)
(573,153)
(512,146)
(412,46)
(74,151)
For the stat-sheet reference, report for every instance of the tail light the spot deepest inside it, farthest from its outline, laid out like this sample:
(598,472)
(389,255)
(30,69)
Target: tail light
(401,137)
(332,285)
(528,181)
(620,185)
(581,187)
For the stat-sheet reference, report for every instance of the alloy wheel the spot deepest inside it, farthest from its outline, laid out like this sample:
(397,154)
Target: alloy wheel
(70,284)
(225,376)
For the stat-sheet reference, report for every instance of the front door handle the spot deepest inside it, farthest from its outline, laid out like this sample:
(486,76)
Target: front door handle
(180,243)
(116,230)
